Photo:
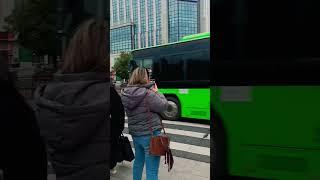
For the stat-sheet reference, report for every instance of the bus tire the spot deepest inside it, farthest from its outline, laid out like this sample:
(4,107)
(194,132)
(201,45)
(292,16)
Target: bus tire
(219,149)
(174,109)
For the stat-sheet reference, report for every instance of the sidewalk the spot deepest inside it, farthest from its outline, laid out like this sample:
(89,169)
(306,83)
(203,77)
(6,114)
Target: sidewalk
(183,169)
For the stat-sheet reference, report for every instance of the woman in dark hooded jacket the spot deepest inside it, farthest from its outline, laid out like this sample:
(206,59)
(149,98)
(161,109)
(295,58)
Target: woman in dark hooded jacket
(74,109)
(22,150)
(117,126)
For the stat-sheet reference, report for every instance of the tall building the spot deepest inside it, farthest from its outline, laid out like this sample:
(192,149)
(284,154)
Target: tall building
(143,23)
(137,24)
(204,16)
(183,18)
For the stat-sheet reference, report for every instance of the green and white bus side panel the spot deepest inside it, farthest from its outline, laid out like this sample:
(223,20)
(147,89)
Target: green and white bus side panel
(271,131)
(194,102)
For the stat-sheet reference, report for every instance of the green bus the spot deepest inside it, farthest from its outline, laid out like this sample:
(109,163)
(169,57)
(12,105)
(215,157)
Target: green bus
(266,90)
(181,71)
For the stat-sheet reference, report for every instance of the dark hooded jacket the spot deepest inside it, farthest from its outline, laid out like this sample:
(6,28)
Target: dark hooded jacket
(117,126)
(73,113)
(137,101)
(22,150)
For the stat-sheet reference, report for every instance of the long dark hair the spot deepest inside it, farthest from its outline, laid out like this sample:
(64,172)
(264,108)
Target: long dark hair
(87,50)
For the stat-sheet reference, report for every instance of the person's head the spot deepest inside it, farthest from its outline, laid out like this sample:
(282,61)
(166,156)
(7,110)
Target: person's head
(87,50)
(139,77)
(113,75)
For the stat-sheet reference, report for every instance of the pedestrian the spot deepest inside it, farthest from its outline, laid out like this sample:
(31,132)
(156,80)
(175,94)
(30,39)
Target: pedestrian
(139,97)
(113,76)
(117,126)
(22,151)
(73,109)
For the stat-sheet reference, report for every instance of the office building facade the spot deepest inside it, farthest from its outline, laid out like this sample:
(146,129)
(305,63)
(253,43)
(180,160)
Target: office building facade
(137,24)
(204,16)
(183,18)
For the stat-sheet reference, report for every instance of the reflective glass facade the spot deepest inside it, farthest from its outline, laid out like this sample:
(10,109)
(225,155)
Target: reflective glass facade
(121,11)
(114,11)
(158,23)
(127,10)
(139,23)
(151,22)
(143,23)
(135,22)
(121,39)
(183,18)
(144,19)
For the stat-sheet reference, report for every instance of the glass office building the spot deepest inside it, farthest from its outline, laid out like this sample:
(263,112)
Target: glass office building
(143,23)
(183,18)
(121,40)
(135,24)
(204,16)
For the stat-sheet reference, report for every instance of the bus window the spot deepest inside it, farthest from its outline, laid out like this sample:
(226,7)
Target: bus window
(144,62)
(147,63)
(197,65)
(171,68)
(132,65)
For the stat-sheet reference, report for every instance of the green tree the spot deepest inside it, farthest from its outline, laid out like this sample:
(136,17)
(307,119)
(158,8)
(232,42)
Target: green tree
(35,21)
(121,65)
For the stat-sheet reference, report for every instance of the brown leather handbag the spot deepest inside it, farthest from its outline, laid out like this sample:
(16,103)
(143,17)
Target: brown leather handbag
(160,145)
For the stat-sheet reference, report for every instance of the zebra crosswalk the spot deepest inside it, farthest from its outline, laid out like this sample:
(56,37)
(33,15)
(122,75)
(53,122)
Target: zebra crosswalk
(188,140)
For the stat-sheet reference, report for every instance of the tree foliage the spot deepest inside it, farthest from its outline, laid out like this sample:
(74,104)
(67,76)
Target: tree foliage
(35,23)
(121,65)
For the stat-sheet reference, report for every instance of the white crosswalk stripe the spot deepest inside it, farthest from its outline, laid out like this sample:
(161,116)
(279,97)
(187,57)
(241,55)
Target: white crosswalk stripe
(182,132)
(184,123)
(184,147)
(188,140)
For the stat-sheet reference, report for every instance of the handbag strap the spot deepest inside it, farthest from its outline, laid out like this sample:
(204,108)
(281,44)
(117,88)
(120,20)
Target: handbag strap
(149,116)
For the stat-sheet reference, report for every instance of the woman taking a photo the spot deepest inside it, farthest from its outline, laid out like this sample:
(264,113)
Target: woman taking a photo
(138,98)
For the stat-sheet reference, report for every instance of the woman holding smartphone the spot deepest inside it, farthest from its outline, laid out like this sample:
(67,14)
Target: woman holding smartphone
(138,98)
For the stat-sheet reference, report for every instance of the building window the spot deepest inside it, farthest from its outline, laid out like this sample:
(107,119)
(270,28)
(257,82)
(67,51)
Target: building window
(114,13)
(135,21)
(158,22)
(183,19)
(151,15)
(121,39)
(121,11)
(128,10)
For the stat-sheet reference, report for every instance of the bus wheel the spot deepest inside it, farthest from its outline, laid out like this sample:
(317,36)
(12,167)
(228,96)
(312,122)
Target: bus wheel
(173,111)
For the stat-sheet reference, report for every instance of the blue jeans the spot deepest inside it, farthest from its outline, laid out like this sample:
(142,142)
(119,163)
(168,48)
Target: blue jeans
(141,146)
